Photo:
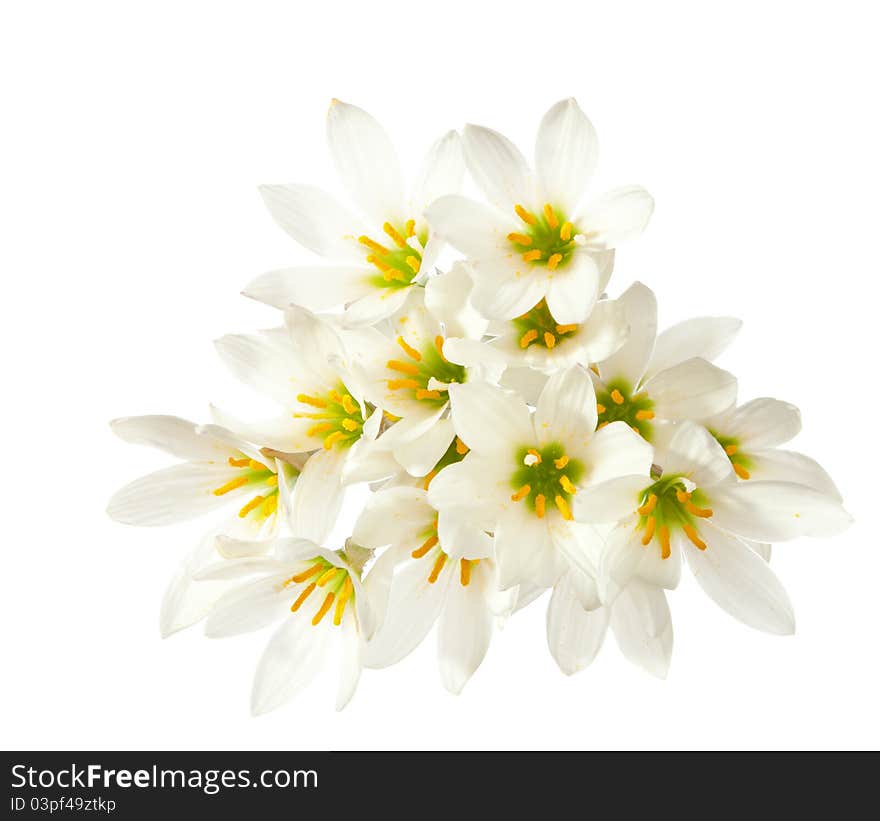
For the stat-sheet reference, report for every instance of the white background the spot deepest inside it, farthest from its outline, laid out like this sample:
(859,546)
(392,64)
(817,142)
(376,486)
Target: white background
(134,135)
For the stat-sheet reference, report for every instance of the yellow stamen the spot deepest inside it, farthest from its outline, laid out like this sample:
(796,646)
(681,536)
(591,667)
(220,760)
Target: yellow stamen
(460,447)
(324,608)
(600,408)
(327,575)
(350,425)
(396,384)
(563,508)
(700,512)
(411,351)
(642,415)
(549,340)
(302,597)
(232,484)
(255,502)
(567,486)
(565,231)
(648,508)
(531,256)
(272,481)
(438,343)
(730,450)
(552,221)
(601,425)
(349,404)
(270,505)
(533,452)
(388,272)
(438,566)
(314,401)
(402,367)
(239,463)
(423,393)
(410,228)
(321,427)
(333,438)
(691,532)
(553,261)
(306,574)
(520,239)
(649,530)
(528,338)
(526,216)
(561,462)
(255,465)
(741,472)
(374,246)
(682,496)
(524,491)
(311,416)
(617,397)
(565,329)
(415,263)
(663,533)
(399,240)
(540,505)
(342,600)
(428,479)
(421,551)
(465,572)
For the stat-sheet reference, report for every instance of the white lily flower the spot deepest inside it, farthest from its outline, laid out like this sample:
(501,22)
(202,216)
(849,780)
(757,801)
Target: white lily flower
(667,377)
(534,242)
(325,610)
(698,508)
(523,470)
(377,259)
(435,569)
(219,469)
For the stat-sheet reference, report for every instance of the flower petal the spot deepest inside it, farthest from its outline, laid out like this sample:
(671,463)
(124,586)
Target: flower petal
(628,364)
(497,166)
(505,288)
(250,606)
(441,173)
(317,288)
(419,456)
(318,496)
(610,501)
(642,626)
(572,291)
(574,635)
(617,216)
(447,296)
(566,410)
(617,450)
(525,550)
(790,466)
(705,337)
(394,516)
(179,437)
(693,451)
(693,389)
(475,229)
(473,489)
(762,423)
(489,419)
(464,631)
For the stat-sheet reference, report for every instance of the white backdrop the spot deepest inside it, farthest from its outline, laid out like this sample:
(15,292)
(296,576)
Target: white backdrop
(134,135)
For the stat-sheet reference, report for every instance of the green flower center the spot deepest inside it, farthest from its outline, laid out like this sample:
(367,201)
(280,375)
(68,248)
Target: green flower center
(538,327)
(667,505)
(334,580)
(616,403)
(544,477)
(338,417)
(425,374)
(251,472)
(546,239)
(398,262)
(740,462)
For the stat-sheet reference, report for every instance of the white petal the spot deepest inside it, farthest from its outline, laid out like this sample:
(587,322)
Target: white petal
(762,423)
(605,332)
(497,166)
(566,410)
(525,550)
(314,219)
(489,419)
(264,362)
(376,306)
(419,456)
(171,495)
(441,172)
(506,288)
(473,489)
(776,511)
(395,516)
(580,545)
(574,635)
(740,582)
(618,216)
(565,154)
(642,626)
(464,632)
(366,161)
(316,288)
(789,466)
(475,229)
(705,337)
(447,296)
(350,663)
(573,290)
(318,496)
(693,389)
(617,450)
(628,364)
(610,501)
(250,607)
(179,437)
(693,451)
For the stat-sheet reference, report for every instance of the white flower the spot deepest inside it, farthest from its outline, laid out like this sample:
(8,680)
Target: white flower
(534,242)
(434,569)
(325,612)
(660,379)
(699,508)
(523,470)
(378,258)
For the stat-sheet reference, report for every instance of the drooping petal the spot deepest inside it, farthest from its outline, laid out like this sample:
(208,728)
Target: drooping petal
(179,437)
(525,550)
(574,635)
(573,290)
(642,626)
(250,606)
(605,332)
(580,545)
(628,364)
(739,581)
(489,419)
(705,337)
(762,423)
(790,466)
(617,216)
(376,306)
(394,516)
(441,172)
(566,151)
(317,499)
(317,288)
(366,162)
(350,663)
(497,166)
(693,451)
(693,389)
(464,631)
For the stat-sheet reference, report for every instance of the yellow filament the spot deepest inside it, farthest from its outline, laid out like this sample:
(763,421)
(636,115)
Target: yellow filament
(642,415)
(423,393)
(524,215)
(730,450)
(565,231)
(421,551)
(314,401)
(649,530)
(302,597)
(255,502)
(648,508)
(552,221)
(399,239)
(528,338)
(324,608)
(617,397)
(415,263)
(465,572)
(540,505)
(565,329)
(563,508)
(410,228)
(524,491)
(306,574)
(239,463)
(561,462)
(350,425)
(333,438)
(682,496)
(402,367)
(520,239)
(438,343)
(396,384)
(663,533)
(438,566)
(533,452)
(272,481)
(327,575)
(374,246)
(428,478)
(460,447)
(691,532)
(531,256)
(270,505)
(741,472)
(321,427)
(700,512)
(553,261)
(349,404)
(311,416)
(567,486)
(342,600)
(232,484)
(410,350)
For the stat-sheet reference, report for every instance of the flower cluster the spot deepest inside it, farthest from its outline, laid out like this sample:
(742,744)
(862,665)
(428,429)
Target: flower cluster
(520,431)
